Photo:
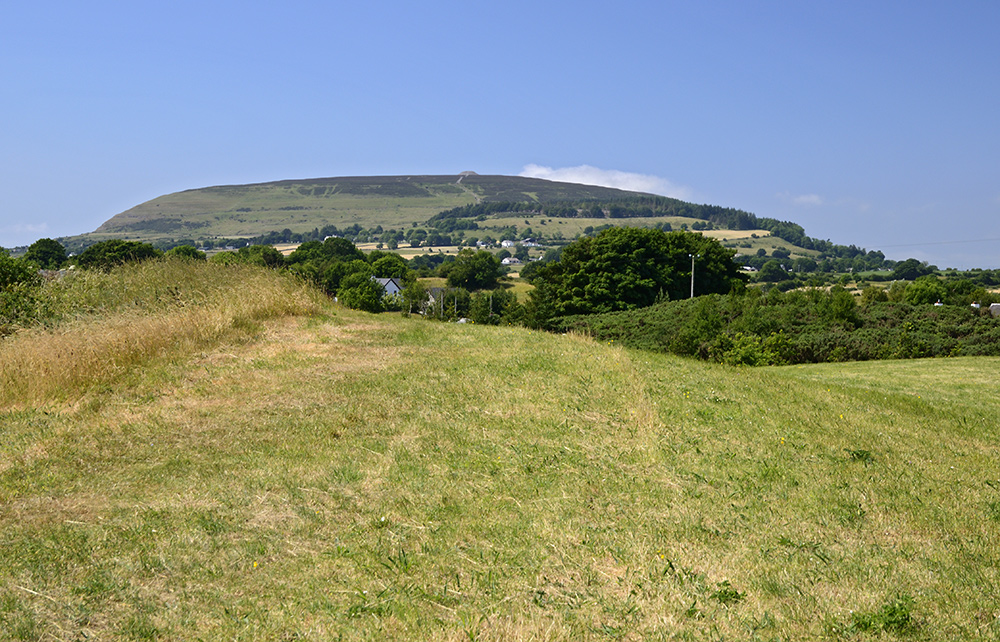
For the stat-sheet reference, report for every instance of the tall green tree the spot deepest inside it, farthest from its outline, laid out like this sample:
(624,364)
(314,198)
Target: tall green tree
(48,254)
(772,272)
(391,266)
(474,270)
(623,268)
(107,254)
(911,269)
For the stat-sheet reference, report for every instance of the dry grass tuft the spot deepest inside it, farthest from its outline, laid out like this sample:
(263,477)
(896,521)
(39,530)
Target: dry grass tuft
(112,323)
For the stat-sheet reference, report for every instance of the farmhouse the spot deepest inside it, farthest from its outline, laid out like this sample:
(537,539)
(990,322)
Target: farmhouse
(391,286)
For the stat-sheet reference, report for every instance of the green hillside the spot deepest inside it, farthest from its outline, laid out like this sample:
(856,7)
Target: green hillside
(181,464)
(302,205)
(436,211)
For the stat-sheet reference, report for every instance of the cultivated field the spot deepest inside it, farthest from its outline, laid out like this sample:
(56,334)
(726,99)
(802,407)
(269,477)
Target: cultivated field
(291,470)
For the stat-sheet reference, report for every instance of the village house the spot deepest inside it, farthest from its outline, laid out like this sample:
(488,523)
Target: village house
(391,286)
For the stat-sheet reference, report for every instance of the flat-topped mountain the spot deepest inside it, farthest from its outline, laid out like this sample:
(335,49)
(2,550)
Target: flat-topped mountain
(443,210)
(303,204)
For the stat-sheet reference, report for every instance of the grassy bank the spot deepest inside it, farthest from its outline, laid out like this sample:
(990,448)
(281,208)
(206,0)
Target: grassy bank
(340,474)
(96,327)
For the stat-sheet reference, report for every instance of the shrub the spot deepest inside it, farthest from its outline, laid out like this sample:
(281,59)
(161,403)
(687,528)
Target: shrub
(750,350)
(108,254)
(16,272)
(359,292)
(873,295)
(925,290)
(19,283)
(492,307)
(187,252)
(802,326)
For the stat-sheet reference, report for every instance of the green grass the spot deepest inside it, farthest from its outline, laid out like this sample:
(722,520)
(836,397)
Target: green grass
(369,477)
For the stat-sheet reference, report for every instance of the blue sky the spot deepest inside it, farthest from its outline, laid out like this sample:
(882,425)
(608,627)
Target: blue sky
(873,123)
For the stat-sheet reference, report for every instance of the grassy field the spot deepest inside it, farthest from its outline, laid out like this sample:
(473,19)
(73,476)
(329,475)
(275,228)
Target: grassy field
(291,470)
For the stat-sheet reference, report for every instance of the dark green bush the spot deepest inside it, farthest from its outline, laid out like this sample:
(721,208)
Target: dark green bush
(108,254)
(802,326)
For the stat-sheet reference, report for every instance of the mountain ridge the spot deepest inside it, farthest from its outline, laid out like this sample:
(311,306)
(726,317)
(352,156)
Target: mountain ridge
(446,209)
(332,200)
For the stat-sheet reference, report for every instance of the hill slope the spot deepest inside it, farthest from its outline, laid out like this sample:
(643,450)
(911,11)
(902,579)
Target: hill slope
(444,210)
(301,205)
(402,479)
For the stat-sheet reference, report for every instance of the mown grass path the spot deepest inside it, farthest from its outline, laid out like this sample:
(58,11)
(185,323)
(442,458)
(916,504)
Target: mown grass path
(385,478)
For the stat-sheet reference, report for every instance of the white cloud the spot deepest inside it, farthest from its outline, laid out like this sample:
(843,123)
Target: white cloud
(801,199)
(587,175)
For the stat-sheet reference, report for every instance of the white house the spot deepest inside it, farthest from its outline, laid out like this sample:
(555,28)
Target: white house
(507,243)
(391,286)
(511,260)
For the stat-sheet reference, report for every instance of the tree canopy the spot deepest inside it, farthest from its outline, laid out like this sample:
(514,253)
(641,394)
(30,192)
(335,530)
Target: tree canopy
(107,254)
(911,269)
(186,252)
(624,268)
(474,270)
(47,253)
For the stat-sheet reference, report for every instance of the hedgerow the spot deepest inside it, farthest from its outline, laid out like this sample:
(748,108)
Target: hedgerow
(796,327)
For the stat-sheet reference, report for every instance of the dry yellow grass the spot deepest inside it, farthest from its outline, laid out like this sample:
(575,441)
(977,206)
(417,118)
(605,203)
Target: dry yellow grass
(119,321)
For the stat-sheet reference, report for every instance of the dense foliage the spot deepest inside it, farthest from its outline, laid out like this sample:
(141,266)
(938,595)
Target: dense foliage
(108,254)
(46,253)
(19,282)
(626,267)
(474,270)
(187,252)
(802,326)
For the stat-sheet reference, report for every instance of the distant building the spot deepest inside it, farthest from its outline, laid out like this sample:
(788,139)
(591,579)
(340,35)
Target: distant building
(391,286)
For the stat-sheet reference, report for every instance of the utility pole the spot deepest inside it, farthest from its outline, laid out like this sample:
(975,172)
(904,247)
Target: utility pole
(692,271)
